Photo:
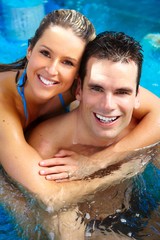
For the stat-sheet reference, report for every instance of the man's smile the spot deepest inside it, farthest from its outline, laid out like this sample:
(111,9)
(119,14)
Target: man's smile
(104,119)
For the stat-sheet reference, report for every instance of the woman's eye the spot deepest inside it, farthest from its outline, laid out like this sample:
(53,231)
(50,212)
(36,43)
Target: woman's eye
(45,53)
(69,63)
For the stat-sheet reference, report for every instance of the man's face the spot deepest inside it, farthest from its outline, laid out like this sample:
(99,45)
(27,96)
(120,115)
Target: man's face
(108,97)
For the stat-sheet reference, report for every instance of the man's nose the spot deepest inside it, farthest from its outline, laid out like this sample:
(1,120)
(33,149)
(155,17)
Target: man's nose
(109,102)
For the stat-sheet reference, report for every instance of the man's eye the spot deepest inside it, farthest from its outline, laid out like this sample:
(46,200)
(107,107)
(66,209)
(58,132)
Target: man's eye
(96,89)
(123,92)
(45,53)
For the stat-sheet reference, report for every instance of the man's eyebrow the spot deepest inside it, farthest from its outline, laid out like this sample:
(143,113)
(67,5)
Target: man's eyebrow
(126,89)
(94,85)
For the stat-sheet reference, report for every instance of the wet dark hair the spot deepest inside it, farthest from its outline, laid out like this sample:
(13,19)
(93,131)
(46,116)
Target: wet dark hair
(66,18)
(114,46)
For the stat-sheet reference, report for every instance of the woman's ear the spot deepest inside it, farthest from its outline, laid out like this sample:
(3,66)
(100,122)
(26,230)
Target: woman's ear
(28,53)
(78,90)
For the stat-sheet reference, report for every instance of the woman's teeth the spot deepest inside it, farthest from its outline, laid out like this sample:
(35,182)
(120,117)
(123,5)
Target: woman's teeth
(46,82)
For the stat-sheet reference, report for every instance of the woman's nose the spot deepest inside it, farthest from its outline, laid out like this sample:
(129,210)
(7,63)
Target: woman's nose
(52,68)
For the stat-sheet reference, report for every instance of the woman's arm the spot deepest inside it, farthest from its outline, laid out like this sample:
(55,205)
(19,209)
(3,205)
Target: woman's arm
(20,161)
(21,164)
(146,132)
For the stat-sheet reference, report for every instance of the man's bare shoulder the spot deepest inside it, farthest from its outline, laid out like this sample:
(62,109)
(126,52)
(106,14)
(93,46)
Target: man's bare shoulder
(52,134)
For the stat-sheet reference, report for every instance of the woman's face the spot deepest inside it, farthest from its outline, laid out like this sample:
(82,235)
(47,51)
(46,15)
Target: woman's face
(54,62)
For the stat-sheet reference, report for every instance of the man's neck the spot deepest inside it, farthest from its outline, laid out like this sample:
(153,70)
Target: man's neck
(84,136)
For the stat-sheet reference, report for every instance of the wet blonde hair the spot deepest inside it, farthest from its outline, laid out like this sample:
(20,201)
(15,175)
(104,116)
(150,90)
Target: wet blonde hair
(66,18)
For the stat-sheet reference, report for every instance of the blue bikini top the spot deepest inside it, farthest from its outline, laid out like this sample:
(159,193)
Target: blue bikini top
(66,108)
(20,88)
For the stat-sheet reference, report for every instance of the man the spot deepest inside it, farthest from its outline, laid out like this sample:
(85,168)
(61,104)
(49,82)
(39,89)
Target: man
(108,92)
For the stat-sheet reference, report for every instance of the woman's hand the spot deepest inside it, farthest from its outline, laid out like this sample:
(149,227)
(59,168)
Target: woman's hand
(66,165)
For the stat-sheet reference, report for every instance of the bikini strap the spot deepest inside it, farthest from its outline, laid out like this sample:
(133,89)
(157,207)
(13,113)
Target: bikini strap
(66,108)
(20,88)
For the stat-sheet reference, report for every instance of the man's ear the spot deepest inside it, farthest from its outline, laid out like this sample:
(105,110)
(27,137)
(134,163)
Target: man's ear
(78,90)
(137,100)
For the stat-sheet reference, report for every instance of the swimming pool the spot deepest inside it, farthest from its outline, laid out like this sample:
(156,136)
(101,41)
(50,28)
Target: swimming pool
(138,20)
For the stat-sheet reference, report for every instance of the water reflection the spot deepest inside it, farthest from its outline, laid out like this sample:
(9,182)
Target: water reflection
(127,206)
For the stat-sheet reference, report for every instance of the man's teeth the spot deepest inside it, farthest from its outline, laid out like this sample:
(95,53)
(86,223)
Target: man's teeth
(106,119)
(46,82)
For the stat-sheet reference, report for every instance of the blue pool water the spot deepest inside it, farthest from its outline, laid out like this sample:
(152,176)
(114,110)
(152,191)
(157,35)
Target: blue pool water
(138,19)
(7,226)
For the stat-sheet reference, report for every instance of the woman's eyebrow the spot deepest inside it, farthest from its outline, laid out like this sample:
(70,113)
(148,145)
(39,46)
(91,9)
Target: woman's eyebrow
(68,57)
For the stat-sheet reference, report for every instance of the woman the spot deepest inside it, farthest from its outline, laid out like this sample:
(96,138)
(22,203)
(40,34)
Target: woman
(30,87)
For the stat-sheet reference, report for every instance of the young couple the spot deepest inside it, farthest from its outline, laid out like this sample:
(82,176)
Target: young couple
(112,114)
